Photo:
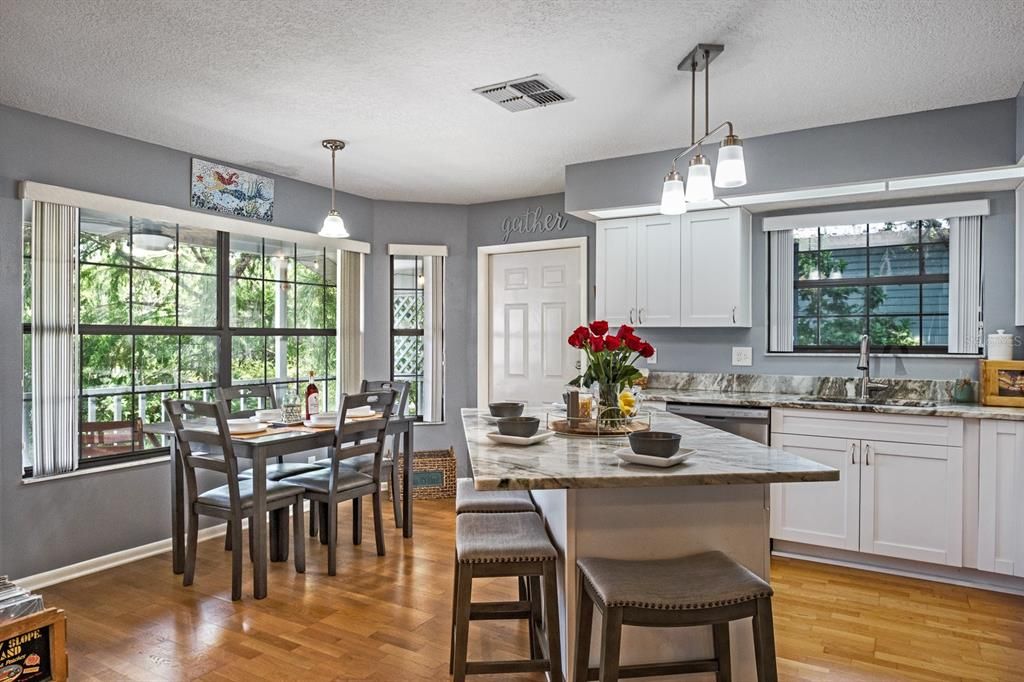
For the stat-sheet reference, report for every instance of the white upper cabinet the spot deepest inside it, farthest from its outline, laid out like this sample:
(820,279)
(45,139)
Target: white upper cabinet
(658,273)
(675,271)
(716,269)
(616,271)
(1001,497)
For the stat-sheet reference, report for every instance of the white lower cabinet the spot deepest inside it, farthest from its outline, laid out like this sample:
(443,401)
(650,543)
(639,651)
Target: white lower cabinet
(1001,497)
(897,499)
(825,514)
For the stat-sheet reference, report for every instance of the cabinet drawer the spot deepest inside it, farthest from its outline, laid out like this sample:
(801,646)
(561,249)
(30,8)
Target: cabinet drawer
(893,428)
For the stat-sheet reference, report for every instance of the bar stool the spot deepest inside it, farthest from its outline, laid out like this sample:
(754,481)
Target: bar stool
(511,544)
(702,589)
(469,499)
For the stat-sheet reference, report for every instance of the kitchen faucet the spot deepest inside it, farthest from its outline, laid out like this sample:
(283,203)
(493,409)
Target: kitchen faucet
(867,386)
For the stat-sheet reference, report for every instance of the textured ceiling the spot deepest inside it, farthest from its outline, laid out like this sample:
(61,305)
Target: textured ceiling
(260,83)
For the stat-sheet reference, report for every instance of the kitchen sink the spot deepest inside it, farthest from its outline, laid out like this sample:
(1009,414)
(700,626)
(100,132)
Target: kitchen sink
(870,401)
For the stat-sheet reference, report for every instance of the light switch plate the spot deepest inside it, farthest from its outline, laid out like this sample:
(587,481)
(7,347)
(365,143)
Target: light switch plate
(742,356)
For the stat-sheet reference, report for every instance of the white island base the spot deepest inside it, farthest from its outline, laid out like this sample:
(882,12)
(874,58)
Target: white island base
(657,523)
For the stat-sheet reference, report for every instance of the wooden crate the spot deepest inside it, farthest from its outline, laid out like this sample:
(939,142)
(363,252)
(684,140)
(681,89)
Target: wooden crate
(35,647)
(433,474)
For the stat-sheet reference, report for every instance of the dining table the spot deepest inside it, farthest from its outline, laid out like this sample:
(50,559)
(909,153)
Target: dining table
(259,448)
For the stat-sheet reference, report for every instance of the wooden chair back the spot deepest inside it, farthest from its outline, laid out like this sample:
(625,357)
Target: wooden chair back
(401,387)
(261,392)
(362,436)
(204,424)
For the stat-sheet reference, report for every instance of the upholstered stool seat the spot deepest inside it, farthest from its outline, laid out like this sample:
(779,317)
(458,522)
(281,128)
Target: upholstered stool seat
(470,500)
(695,582)
(708,589)
(513,544)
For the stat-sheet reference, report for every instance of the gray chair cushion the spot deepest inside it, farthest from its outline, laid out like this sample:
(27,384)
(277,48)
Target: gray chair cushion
(362,463)
(275,472)
(699,581)
(220,497)
(319,481)
(501,538)
(469,499)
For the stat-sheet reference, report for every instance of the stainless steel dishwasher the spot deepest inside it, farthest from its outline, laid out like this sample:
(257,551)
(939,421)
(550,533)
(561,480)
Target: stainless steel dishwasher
(749,422)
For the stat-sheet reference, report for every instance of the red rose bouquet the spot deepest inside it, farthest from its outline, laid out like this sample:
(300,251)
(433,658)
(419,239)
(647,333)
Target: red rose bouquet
(610,361)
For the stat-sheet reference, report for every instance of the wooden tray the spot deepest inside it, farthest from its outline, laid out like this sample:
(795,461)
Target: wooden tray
(590,428)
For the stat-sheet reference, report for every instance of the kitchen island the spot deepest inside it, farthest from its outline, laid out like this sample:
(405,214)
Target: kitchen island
(596,505)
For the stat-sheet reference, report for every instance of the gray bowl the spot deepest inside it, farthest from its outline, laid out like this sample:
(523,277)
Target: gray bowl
(523,427)
(654,443)
(506,409)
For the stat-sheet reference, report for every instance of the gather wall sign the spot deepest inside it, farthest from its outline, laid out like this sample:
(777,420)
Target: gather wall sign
(532,221)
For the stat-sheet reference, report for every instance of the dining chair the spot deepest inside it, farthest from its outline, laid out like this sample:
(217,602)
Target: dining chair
(265,393)
(327,487)
(364,463)
(233,501)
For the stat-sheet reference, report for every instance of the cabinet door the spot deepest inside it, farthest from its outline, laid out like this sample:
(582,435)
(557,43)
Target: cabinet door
(821,513)
(616,271)
(658,273)
(716,269)
(911,501)
(1001,497)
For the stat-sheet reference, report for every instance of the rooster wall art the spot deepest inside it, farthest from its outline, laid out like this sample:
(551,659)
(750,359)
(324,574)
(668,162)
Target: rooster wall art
(228,190)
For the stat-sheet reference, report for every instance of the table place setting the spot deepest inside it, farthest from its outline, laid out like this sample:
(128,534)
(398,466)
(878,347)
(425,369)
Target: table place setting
(513,427)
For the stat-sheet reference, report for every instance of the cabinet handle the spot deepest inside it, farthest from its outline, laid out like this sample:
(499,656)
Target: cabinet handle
(640,316)
(867,454)
(631,316)
(853,453)
(734,314)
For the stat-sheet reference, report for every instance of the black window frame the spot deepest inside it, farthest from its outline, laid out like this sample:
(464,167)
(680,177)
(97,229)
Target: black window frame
(920,279)
(222,331)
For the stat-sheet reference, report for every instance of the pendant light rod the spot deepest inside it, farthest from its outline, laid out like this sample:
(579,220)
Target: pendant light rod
(693,103)
(703,139)
(707,90)
(335,146)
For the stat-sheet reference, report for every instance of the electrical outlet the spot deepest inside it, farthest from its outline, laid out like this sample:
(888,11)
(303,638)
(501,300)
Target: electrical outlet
(653,360)
(742,356)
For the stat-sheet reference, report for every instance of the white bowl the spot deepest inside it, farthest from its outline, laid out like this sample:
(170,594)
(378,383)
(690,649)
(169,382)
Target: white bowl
(241,421)
(269,415)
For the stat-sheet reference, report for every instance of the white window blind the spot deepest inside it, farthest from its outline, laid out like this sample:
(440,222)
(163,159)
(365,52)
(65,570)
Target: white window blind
(965,284)
(55,359)
(780,301)
(433,339)
(350,321)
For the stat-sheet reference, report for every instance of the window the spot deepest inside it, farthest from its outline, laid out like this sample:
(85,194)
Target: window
(417,329)
(887,280)
(168,310)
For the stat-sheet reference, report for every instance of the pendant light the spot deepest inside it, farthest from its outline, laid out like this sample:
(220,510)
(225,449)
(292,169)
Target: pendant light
(333,226)
(731,170)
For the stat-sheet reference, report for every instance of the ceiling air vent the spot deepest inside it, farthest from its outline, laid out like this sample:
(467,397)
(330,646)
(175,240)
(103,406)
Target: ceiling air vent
(524,93)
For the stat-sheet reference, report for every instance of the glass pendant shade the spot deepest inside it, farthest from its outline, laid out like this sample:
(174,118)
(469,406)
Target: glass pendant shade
(334,226)
(698,180)
(730,170)
(673,195)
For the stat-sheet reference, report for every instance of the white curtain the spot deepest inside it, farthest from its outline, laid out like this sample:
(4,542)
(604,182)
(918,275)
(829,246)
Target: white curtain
(350,321)
(780,291)
(55,372)
(965,292)
(433,339)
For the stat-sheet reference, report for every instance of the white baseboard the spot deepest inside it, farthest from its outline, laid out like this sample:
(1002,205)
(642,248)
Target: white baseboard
(125,556)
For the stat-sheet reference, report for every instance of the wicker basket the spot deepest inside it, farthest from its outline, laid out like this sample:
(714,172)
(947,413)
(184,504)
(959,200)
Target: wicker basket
(433,474)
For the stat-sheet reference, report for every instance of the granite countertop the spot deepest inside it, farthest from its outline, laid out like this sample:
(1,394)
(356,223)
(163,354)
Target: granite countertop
(570,462)
(767,399)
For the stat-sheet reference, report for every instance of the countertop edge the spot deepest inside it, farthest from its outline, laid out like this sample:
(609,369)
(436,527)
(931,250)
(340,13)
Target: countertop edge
(655,481)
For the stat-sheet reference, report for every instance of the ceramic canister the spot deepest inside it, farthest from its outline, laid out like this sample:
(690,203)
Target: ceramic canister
(1000,346)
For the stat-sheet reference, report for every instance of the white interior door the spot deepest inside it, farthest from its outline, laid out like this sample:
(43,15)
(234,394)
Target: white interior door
(534,306)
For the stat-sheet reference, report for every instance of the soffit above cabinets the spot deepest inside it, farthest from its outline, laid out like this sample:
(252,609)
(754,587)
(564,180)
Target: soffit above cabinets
(1003,178)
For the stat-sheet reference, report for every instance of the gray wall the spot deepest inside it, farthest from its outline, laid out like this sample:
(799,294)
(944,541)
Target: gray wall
(55,523)
(1020,125)
(412,223)
(958,138)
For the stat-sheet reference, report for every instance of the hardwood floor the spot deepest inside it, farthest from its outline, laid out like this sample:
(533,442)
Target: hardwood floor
(387,619)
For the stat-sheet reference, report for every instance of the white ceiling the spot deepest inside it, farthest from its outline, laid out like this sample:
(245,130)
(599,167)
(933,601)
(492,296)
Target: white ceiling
(260,83)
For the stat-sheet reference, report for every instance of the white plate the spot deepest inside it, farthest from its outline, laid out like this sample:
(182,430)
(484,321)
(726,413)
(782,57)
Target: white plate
(313,424)
(519,440)
(246,427)
(627,455)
